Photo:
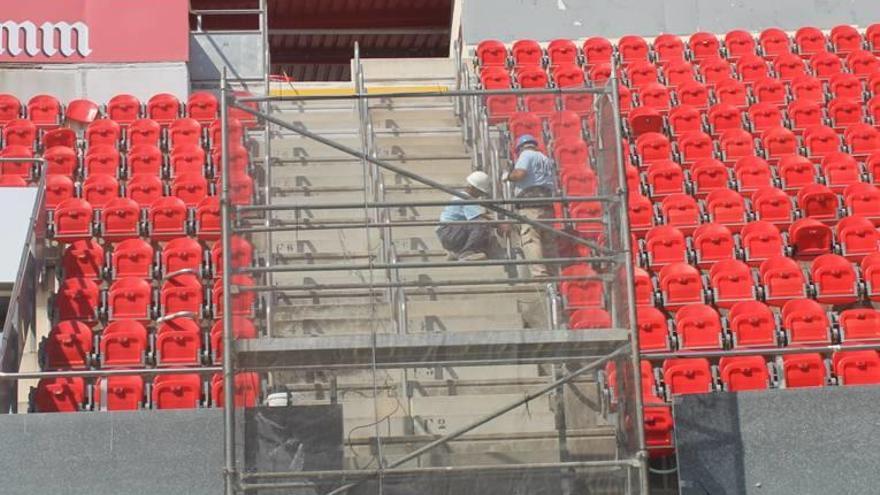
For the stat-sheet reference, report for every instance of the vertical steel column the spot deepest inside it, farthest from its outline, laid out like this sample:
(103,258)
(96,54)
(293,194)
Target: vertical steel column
(228,341)
(267,162)
(642,456)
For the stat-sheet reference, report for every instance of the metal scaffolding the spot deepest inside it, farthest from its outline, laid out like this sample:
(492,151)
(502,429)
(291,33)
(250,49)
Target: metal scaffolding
(367,349)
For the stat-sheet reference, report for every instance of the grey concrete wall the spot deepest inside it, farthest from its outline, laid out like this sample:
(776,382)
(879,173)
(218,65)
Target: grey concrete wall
(96,82)
(543,20)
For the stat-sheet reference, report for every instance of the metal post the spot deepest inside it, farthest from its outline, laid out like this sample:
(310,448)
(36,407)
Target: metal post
(228,341)
(630,285)
(267,161)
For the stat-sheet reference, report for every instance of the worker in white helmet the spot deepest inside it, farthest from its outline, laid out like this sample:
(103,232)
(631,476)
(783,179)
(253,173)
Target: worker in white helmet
(468,241)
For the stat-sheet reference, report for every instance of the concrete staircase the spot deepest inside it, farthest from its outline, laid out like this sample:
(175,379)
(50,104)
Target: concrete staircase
(404,407)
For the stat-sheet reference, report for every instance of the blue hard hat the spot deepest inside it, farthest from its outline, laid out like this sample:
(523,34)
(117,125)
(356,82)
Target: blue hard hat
(524,140)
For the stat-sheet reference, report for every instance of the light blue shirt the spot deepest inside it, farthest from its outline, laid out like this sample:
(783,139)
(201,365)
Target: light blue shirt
(539,171)
(460,212)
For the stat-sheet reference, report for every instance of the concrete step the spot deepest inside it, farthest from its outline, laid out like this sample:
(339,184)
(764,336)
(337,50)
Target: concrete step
(344,118)
(338,242)
(341,276)
(313,327)
(413,118)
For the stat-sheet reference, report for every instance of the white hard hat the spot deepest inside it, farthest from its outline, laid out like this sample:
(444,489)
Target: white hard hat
(481,181)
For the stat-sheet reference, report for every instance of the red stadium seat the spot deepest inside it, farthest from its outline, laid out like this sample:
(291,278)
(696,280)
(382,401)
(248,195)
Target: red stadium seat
(772,205)
(653,332)
(177,391)
(185,131)
(684,119)
(678,72)
(532,78)
(665,177)
(132,258)
(144,189)
(242,328)
(163,108)
(803,370)
(167,218)
(835,280)
(641,211)
(643,120)
(731,92)
(804,113)
(668,47)
(597,50)
(77,299)
(203,107)
(808,238)
(862,63)
(731,282)
(183,253)
(19,133)
(589,318)
(187,159)
(83,259)
(527,52)
(144,131)
(770,90)
(568,76)
(129,299)
(870,266)
(100,189)
(119,393)
(207,219)
(10,108)
(779,142)
(656,96)
(73,220)
(805,322)
(44,110)
(695,146)
(698,326)
(644,287)
(60,160)
(752,173)
(680,210)
(709,175)
(540,105)
(69,345)
(856,367)
(743,373)
(761,240)
(736,143)
(238,161)
(809,40)
(680,285)
(120,220)
(763,117)
(789,67)
(653,146)
(61,394)
(102,159)
(863,199)
(178,343)
(181,293)
(845,39)
(23,169)
(582,293)
(82,111)
(783,280)
(862,139)
(738,43)
(58,188)
(820,141)
(241,189)
(752,324)
(727,207)
(723,117)
(247,389)
(825,65)
(712,243)
(841,170)
(491,52)
(774,42)
(632,48)
(795,172)
(703,45)
(859,325)
(818,201)
(658,430)
(562,51)
(857,237)
(845,85)
(62,136)
(145,159)
(641,73)
(752,68)
(565,125)
(124,109)
(872,36)
(243,302)
(192,188)
(687,376)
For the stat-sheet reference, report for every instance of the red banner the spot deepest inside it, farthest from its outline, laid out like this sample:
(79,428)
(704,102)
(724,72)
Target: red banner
(81,31)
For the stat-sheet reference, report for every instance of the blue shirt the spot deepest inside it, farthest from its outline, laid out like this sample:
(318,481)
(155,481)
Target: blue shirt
(539,171)
(459,212)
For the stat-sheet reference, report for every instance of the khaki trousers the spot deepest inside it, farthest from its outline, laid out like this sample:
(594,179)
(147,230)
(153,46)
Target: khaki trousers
(538,244)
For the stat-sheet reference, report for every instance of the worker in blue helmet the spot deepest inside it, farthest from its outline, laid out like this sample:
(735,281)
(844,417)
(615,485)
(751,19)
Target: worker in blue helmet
(534,176)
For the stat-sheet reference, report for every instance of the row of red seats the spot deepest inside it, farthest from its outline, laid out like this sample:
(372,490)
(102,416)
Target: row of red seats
(771,43)
(48,111)
(120,393)
(178,341)
(752,324)
(138,258)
